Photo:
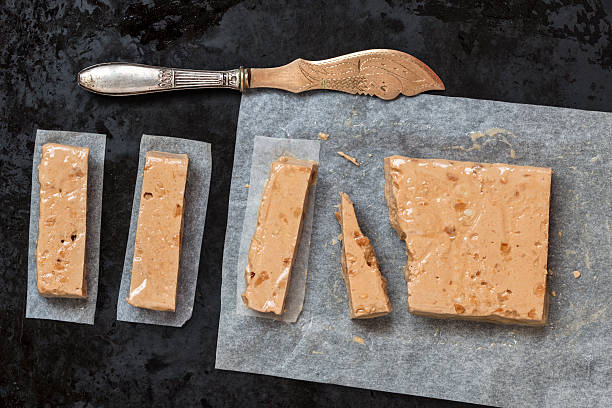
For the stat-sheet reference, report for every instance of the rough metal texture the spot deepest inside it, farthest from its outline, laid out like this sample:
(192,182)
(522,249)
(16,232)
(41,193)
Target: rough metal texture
(566,363)
(544,52)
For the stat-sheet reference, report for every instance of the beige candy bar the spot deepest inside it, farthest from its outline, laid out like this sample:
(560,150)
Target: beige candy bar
(60,247)
(366,287)
(157,247)
(476,237)
(277,235)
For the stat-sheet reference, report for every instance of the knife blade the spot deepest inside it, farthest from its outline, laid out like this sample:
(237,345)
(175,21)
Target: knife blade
(382,73)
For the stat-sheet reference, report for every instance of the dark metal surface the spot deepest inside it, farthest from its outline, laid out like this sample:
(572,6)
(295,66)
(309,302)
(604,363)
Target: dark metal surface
(544,52)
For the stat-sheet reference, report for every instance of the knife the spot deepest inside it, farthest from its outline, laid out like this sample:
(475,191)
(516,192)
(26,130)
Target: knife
(380,72)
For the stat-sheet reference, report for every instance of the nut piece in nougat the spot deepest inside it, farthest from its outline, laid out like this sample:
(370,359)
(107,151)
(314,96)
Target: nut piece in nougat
(476,237)
(366,287)
(157,248)
(60,247)
(277,235)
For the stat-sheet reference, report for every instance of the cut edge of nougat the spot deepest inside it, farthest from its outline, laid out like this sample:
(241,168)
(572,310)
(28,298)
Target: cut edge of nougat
(390,199)
(314,166)
(167,155)
(489,318)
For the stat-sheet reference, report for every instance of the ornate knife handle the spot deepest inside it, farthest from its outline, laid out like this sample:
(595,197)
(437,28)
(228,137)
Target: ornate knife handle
(118,78)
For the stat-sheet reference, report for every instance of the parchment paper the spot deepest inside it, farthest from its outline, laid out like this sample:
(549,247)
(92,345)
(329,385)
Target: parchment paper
(265,151)
(69,310)
(566,363)
(196,201)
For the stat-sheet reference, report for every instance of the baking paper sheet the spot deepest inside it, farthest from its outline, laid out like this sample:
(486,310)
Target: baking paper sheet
(69,310)
(196,201)
(566,363)
(265,151)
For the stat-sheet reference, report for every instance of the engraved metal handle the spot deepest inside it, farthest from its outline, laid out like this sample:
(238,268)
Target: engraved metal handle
(118,78)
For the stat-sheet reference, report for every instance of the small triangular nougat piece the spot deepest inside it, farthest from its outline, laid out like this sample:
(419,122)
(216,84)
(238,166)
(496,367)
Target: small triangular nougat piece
(366,287)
